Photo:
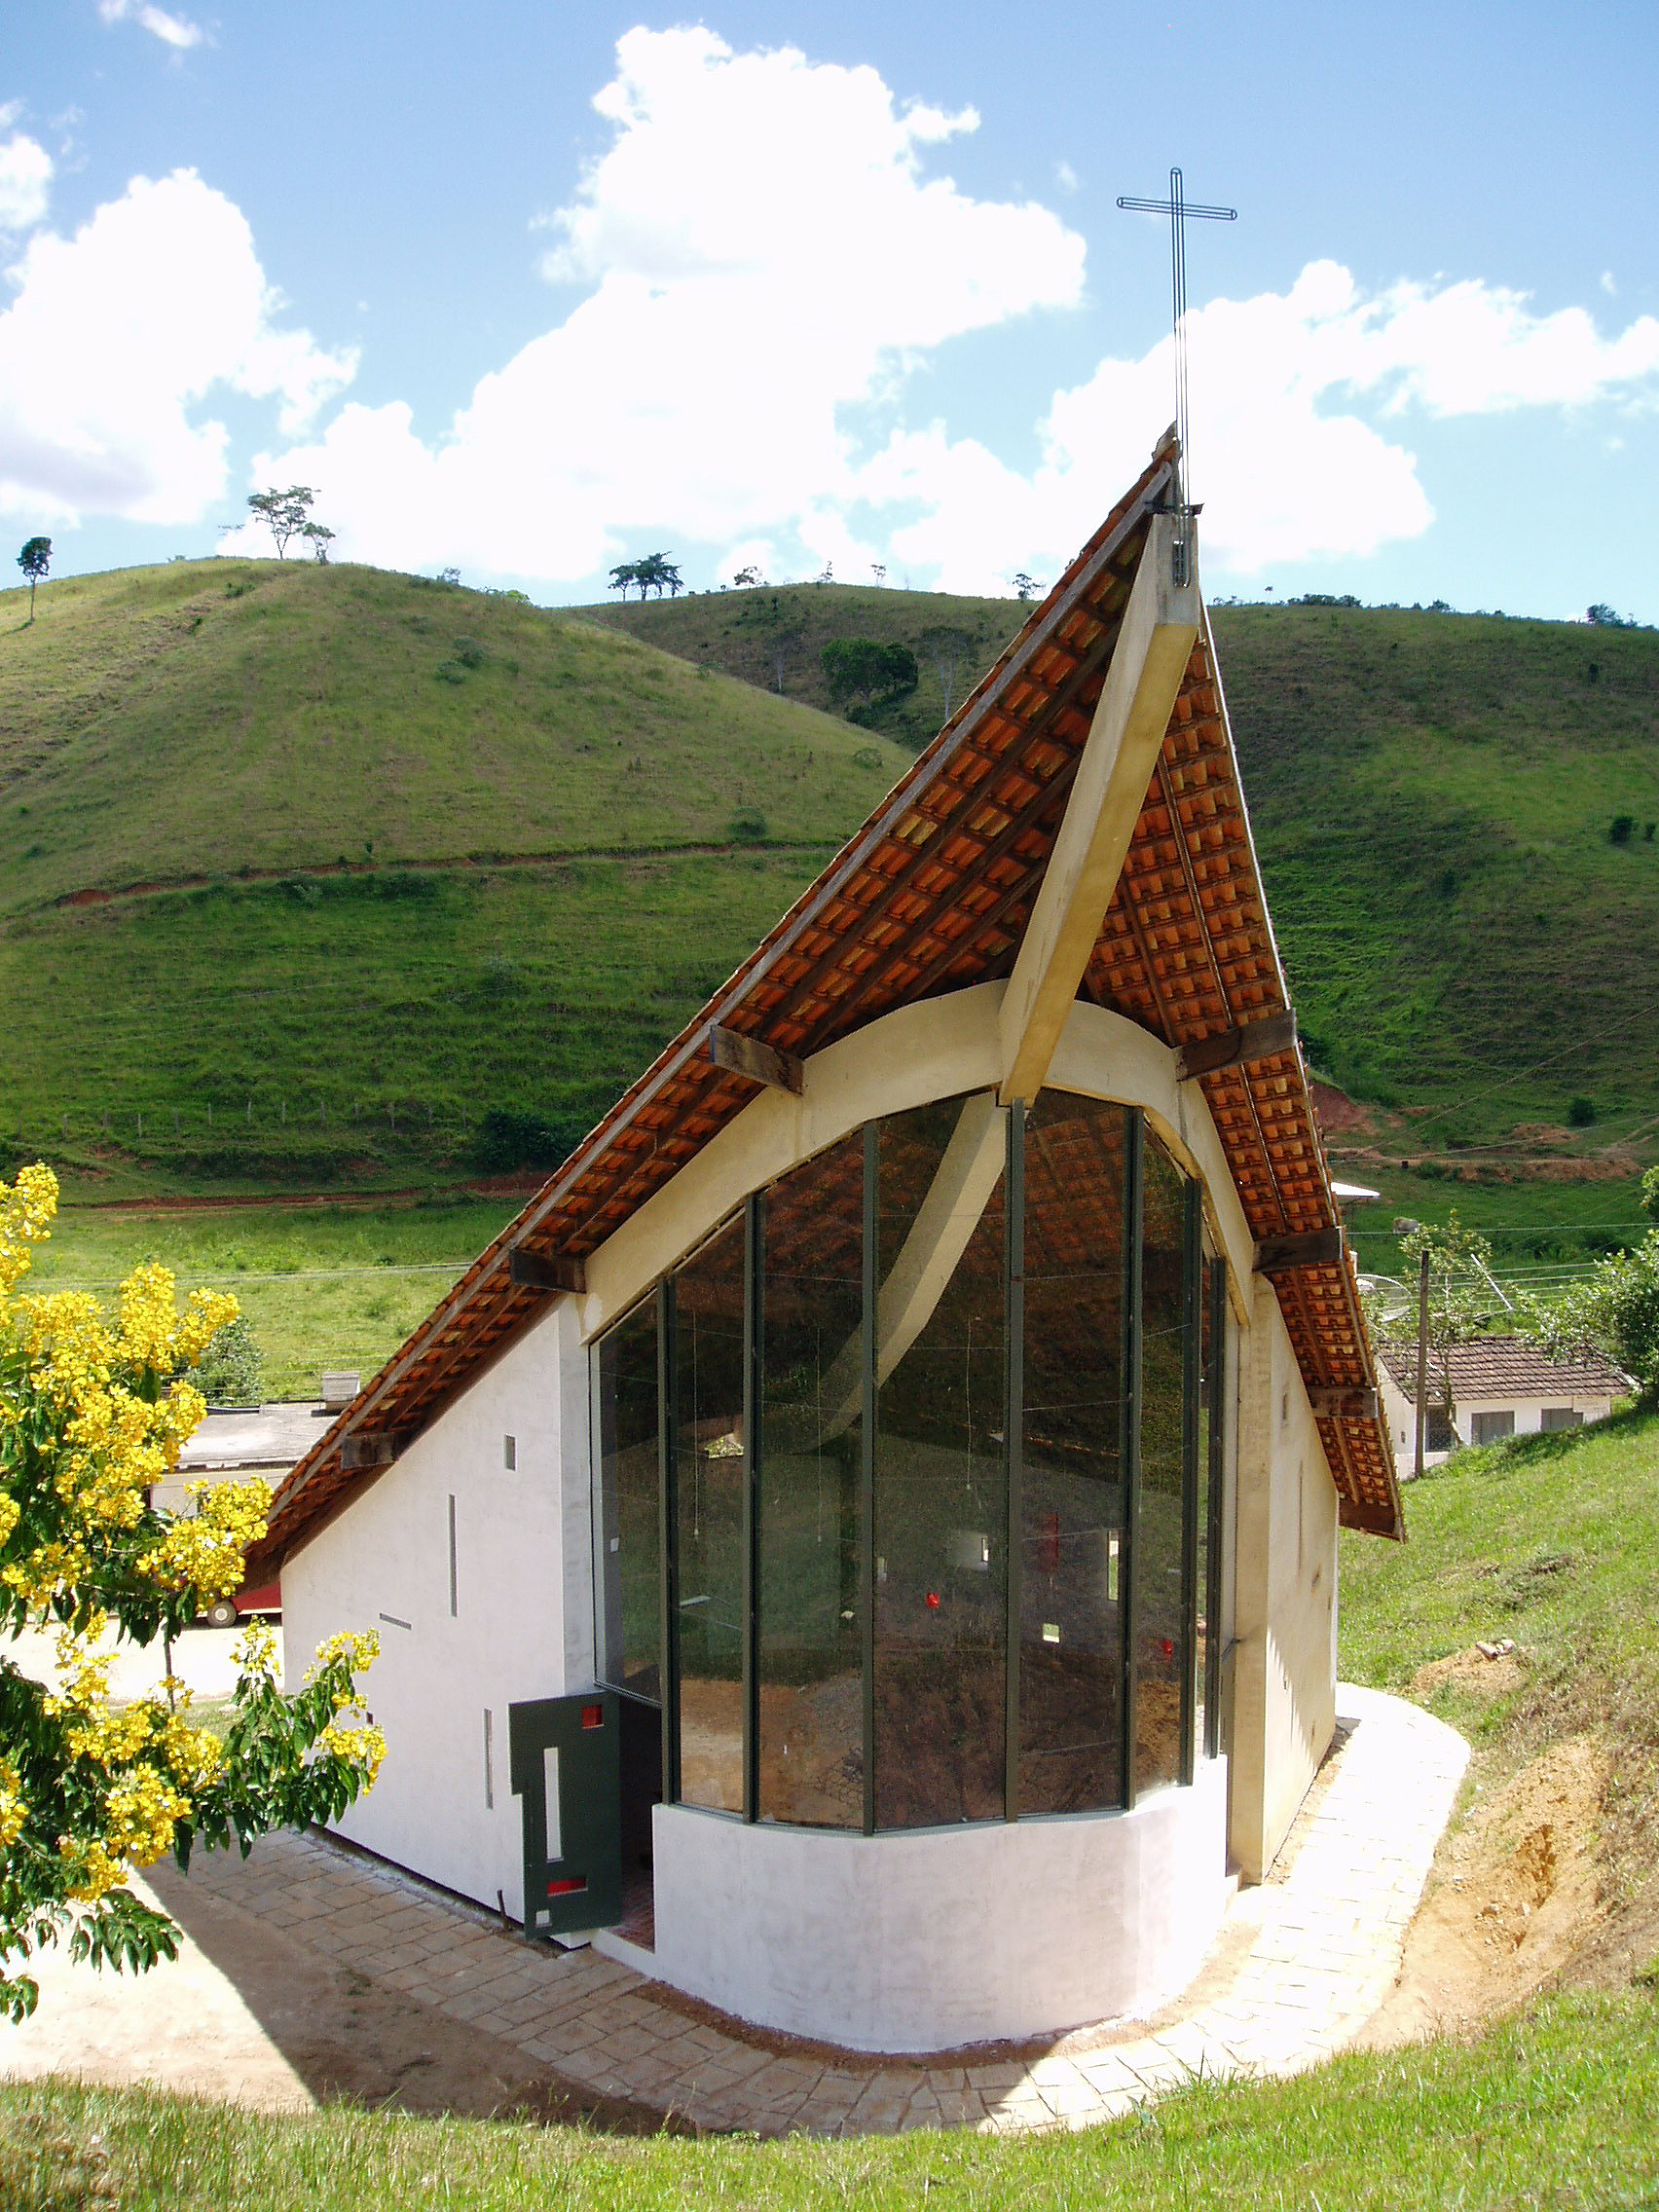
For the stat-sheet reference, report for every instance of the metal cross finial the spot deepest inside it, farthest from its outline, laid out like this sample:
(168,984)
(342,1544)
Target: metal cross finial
(1180,211)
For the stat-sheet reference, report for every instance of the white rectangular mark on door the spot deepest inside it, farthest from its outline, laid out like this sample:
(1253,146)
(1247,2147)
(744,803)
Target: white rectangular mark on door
(550,1793)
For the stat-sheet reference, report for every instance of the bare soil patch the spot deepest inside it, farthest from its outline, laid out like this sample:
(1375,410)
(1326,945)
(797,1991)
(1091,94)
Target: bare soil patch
(1518,1902)
(1483,1670)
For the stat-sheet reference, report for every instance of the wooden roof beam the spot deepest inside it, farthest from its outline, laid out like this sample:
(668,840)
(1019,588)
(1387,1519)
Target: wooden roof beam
(1156,636)
(544,1271)
(761,1063)
(1237,1047)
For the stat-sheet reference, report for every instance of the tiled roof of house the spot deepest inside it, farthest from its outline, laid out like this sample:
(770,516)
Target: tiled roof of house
(930,896)
(1509,1367)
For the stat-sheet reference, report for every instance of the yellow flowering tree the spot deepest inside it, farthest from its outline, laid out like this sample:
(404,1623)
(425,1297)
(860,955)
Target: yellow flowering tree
(92,1412)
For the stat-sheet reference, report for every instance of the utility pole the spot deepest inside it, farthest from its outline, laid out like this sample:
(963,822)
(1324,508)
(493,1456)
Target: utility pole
(1422,1361)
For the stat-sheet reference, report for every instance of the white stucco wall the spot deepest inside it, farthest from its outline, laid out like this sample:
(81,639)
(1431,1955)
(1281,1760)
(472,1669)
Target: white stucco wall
(1284,1660)
(523,1621)
(943,1937)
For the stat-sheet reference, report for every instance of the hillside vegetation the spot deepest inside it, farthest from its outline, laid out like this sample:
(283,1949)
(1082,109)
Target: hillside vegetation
(306,873)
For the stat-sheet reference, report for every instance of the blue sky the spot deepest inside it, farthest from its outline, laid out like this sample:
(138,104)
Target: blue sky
(531,289)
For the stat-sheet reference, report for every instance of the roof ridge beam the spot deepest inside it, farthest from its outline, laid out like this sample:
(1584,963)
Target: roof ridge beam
(1156,636)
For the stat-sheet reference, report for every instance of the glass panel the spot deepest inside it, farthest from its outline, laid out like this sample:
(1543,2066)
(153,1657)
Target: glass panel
(1071,1661)
(712,1477)
(811,1673)
(1159,1633)
(627,1523)
(940,1474)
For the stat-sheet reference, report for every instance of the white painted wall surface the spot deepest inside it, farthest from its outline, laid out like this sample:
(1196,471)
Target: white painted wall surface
(943,1937)
(522,1550)
(1285,1594)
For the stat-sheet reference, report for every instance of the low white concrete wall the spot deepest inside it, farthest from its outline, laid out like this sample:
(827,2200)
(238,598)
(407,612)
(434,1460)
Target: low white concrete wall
(943,1938)
(521,1545)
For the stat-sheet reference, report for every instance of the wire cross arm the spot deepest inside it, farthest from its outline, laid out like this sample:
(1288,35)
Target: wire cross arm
(1186,207)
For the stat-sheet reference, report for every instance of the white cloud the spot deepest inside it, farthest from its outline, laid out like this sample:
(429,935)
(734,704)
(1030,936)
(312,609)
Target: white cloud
(114,338)
(1286,462)
(25,178)
(176,31)
(1065,176)
(760,250)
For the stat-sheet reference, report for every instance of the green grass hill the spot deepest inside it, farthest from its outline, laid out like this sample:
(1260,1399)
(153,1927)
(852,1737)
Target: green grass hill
(306,873)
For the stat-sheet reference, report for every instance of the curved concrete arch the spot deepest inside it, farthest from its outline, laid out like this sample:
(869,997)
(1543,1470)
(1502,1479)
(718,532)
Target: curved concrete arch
(937,1049)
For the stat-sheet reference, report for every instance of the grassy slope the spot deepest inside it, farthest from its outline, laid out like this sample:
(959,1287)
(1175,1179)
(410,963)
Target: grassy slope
(154,726)
(1431,797)
(216,720)
(1552,2111)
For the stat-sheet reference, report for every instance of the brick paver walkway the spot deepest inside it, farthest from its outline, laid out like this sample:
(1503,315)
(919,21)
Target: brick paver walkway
(1302,1963)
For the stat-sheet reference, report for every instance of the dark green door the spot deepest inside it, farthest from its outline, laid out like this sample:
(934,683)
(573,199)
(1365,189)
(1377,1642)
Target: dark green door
(566,1765)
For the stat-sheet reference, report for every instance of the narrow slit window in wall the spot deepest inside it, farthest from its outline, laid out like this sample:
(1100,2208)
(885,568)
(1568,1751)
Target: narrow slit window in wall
(509,1453)
(489,1760)
(452,1561)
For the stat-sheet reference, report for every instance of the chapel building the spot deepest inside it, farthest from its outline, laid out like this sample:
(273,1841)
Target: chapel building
(862,1544)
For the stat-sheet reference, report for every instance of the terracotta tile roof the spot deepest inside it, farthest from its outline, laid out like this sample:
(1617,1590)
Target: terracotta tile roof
(1508,1367)
(930,896)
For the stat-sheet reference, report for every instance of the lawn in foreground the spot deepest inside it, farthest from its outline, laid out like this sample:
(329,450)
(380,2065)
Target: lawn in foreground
(1551,2110)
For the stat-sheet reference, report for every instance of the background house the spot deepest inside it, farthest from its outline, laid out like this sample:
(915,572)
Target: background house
(1502,1387)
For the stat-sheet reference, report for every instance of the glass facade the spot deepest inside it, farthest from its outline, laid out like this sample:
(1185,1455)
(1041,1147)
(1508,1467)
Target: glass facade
(1073,1502)
(811,1696)
(916,1463)
(939,1465)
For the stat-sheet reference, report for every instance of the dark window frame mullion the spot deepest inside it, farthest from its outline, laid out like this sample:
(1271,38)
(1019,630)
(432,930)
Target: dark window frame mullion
(754,1446)
(866,1465)
(1192,1383)
(1218,1402)
(1014,1431)
(668,1509)
(1134,1181)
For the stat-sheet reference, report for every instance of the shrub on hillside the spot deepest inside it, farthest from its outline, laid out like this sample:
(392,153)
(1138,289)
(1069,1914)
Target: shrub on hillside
(1580,1112)
(510,1141)
(1621,829)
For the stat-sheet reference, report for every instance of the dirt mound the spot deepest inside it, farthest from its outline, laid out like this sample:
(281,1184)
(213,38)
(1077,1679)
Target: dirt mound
(1337,1111)
(1517,1897)
(1483,1669)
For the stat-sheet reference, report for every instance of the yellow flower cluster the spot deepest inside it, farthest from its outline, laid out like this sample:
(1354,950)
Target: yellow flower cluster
(362,1746)
(255,1649)
(208,1550)
(359,1647)
(14,1807)
(27,1210)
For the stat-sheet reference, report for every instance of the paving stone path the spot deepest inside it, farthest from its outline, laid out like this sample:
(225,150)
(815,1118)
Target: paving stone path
(1304,1960)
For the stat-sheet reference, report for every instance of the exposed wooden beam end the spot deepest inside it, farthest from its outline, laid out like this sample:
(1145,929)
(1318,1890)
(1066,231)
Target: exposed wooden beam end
(1335,1403)
(761,1063)
(372,1447)
(544,1271)
(1237,1047)
(1315,1248)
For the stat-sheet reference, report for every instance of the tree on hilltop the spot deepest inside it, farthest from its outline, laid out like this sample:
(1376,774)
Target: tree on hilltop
(286,514)
(319,538)
(35,560)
